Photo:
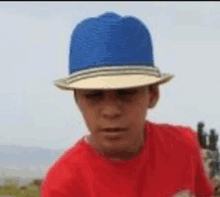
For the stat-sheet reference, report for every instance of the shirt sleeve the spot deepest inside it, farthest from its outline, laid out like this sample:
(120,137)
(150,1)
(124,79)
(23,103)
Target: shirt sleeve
(203,184)
(59,183)
(52,186)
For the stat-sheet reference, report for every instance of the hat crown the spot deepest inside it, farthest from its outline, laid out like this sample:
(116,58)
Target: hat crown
(109,40)
(109,15)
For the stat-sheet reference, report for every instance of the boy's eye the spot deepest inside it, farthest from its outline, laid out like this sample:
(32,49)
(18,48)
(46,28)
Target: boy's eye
(125,92)
(95,95)
(121,94)
(126,95)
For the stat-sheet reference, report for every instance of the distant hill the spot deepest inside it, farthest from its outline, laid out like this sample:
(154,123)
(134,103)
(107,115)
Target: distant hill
(25,161)
(15,153)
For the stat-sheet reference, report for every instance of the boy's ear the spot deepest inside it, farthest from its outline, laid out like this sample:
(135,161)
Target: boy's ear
(155,96)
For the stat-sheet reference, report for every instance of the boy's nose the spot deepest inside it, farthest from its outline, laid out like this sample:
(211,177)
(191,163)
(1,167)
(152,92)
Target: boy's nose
(111,111)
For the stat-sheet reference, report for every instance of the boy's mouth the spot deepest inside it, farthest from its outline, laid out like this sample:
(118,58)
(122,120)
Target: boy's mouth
(114,129)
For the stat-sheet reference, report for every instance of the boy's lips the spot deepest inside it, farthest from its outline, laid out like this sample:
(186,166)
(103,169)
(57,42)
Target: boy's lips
(114,133)
(114,129)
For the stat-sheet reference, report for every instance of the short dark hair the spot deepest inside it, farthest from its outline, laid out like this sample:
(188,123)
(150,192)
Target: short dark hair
(74,95)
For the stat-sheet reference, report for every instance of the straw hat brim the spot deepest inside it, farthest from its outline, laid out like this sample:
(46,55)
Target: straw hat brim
(113,82)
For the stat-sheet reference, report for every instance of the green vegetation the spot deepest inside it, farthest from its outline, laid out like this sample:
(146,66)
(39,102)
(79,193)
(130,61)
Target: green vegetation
(14,191)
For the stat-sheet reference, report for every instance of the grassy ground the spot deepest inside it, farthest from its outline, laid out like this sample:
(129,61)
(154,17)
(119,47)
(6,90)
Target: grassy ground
(13,191)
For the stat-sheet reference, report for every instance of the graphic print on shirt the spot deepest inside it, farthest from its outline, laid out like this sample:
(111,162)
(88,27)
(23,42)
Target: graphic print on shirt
(184,193)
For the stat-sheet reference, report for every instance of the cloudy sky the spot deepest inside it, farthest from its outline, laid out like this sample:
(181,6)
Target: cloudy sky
(34,44)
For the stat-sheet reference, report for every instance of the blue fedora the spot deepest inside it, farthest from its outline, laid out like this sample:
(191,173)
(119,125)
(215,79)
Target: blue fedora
(111,52)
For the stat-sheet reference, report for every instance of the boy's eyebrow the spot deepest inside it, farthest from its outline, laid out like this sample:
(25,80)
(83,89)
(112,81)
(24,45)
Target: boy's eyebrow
(91,91)
(95,91)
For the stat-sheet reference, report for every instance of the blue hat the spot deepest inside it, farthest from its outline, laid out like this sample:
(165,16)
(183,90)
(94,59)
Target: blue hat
(111,52)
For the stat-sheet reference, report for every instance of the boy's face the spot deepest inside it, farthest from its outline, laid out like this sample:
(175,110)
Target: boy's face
(125,109)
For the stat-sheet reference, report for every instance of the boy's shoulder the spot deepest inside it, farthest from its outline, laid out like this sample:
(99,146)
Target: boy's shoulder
(71,157)
(175,134)
(62,175)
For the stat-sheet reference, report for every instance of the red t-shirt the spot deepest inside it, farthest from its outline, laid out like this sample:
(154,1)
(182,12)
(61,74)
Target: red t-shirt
(169,163)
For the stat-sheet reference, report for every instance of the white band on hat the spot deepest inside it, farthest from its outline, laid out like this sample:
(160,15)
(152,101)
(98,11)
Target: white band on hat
(112,71)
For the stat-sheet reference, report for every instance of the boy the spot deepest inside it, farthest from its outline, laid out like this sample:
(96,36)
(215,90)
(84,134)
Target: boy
(115,82)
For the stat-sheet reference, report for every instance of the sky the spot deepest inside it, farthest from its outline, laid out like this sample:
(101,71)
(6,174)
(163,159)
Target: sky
(34,48)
